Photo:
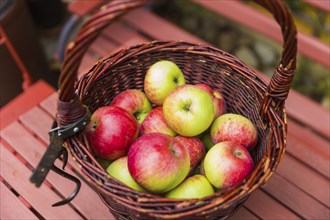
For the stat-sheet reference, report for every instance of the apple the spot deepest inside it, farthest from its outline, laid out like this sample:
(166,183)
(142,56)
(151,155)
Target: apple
(195,148)
(118,169)
(188,110)
(227,164)
(161,78)
(206,139)
(219,102)
(111,132)
(158,162)
(155,122)
(193,187)
(134,101)
(234,127)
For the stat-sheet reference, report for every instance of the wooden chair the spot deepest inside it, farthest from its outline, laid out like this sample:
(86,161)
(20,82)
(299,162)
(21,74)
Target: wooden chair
(299,188)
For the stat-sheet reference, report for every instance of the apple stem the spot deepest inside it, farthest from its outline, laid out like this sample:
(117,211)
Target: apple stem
(94,126)
(186,108)
(237,153)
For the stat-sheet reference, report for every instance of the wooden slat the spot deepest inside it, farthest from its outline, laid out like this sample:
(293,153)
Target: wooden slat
(120,34)
(87,62)
(50,104)
(259,202)
(296,199)
(305,178)
(103,46)
(243,214)
(18,137)
(321,4)
(17,175)
(11,207)
(309,148)
(157,27)
(307,45)
(309,112)
(83,7)
(29,98)
(115,37)
(38,121)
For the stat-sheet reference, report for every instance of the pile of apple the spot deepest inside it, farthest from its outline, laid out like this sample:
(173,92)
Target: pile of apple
(173,139)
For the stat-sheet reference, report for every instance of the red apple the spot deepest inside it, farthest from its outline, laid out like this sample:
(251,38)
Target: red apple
(135,102)
(195,148)
(155,122)
(236,128)
(227,164)
(219,102)
(158,162)
(111,132)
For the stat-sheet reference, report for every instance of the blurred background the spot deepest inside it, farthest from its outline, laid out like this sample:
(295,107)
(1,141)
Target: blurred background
(34,26)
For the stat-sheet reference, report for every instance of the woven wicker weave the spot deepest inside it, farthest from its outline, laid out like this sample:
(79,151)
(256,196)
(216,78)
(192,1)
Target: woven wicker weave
(244,91)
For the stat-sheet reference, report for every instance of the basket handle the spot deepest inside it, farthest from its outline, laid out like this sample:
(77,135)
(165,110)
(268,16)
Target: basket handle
(69,107)
(280,83)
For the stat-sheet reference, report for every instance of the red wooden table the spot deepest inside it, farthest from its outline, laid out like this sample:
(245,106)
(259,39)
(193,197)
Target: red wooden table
(299,189)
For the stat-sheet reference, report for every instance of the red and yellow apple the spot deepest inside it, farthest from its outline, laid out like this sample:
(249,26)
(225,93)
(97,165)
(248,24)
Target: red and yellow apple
(161,78)
(236,128)
(227,164)
(188,110)
(134,101)
(158,162)
(155,122)
(111,131)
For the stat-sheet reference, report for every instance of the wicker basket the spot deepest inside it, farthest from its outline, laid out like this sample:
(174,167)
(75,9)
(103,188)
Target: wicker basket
(244,91)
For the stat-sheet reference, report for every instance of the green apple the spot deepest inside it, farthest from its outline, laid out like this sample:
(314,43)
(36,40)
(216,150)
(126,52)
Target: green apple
(193,187)
(119,170)
(161,78)
(188,110)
